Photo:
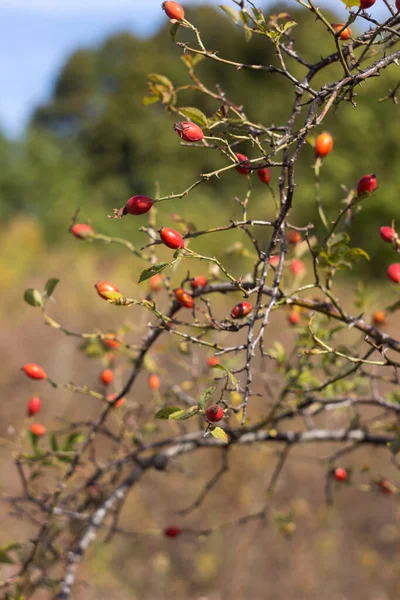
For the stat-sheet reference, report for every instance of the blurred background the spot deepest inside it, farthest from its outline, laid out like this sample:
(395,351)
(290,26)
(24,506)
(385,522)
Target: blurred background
(74,133)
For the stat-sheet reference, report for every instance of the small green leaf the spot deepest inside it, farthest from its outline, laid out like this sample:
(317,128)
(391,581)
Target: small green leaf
(153,270)
(50,286)
(162,80)
(289,25)
(150,100)
(232,378)
(34,442)
(174,30)
(258,14)
(205,397)
(247,35)
(182,415)
(33,297)
(72,440)
(194,114)
(231,12)
(164,413)
(53,442)
(219,434)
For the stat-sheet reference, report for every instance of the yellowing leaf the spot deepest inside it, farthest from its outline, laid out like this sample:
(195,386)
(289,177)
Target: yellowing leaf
(219,434)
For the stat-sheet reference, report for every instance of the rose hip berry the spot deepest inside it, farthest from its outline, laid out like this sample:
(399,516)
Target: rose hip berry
(364,4)
(264,175)
(120,402)
(379,317)
(214,413)
(34,406)
(106,377)
(323,144)
(241,310)
(198,282)
(245,168)
(34,371)
(138,205)
(184,298)
(346,33)
(386,486)
(81,231)
(212,361)
(340,474)
(156,283)
(387,233)
(154,382)
(293,237)
(294,317)
(173,531)
(188,131)
(110,341)
(37,429)
(297,266)
(273,261)
(104,288)
(367,184)
(173,10)
(393,272)
(171,238)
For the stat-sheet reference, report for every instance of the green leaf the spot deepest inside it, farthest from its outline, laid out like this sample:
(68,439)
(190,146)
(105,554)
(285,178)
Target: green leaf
(205,397)
(289,24)
(162,80)
(247,35)
(53,442)
(231,12)
(33,297)
(351,3)
(258,15)
(153,270)
(174,30)
(394,446)
(245,17)
(219,434)
(150,100)
(182,415)
(278,353)
(165,413)
(50,286)
(232,378)
(72,440)
(197,59)
(34,439)
(194,114)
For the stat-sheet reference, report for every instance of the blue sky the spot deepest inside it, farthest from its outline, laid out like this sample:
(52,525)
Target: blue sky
(37,35)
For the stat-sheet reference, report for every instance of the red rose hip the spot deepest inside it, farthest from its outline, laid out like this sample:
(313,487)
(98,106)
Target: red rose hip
(264,175)
(364,4)
(394,272)
(171,238)
(82,231)
(34,371)
(212,361)
(346,33)
(244,168)
(294,317)
(37,429)
(34,406)
(184,298)
(173,10)
(387,233)
(293,237)
(366,185)
(340,474)
(241,310)
(154,382)
(214,413)
(172,531)
(106,377)
(198,282)
(104,288)
(297,266)
(138,205)
(188,131)
(156,283)
(323,144)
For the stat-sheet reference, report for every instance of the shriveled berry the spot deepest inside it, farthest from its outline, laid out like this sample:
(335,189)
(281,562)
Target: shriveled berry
(82,231)
(173,531)
(110,341)
(37,429)
(120,402)
(106,377)
(171,238)
(241,310)
(156,282)
(188,131)
(264,175)
(379,317)
(138,205)
(214,413)
(387,233)
(245,167)
(341,474)
(34,406)
(297,266)
(173,10)
(364,4)
(294,317)
(212,361)
(34,371)
(394,272)
(293,237)
(367,184)
(104,288)
(345,34)
(323,144)
(184,298)
(198,282)
(154,382)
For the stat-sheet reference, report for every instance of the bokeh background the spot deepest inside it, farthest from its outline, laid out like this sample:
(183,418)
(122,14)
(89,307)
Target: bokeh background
(75,133)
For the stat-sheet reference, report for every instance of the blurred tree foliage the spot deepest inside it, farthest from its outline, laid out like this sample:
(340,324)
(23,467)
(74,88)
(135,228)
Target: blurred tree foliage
(94,144)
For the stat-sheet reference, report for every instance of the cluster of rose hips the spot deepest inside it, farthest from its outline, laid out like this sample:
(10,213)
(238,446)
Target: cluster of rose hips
(389,235)
(34,405)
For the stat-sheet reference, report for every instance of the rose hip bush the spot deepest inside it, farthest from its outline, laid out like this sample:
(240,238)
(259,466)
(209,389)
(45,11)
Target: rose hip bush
(340,360)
